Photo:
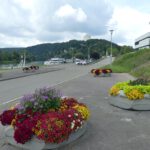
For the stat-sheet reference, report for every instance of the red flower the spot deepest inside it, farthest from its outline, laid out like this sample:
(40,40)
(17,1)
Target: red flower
(69,102)
(22,134)
(97,72)
(7,116)
(54,126)
(23,131)
(104,71)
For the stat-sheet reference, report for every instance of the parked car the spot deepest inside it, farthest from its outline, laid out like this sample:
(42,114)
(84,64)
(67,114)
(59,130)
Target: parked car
(81,62)
(84,62)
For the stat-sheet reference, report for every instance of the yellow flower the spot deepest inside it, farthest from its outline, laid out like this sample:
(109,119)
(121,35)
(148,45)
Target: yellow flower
(13,122)
(63,107)
(108,71)
(59,123)
(36,130)
(114,91)
(83,110)
(135,94)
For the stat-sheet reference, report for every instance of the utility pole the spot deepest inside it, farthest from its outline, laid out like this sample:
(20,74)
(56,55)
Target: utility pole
(87,37)
(24,59)
(73,57)
(111,32)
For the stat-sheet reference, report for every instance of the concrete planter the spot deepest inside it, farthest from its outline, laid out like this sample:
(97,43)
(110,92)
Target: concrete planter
(103,75)
(124,103)
(36,144)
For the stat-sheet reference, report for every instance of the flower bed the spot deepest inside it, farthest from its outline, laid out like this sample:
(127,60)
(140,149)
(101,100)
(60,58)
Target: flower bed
(46,116)
(101,72)
(30,68)
(131,94)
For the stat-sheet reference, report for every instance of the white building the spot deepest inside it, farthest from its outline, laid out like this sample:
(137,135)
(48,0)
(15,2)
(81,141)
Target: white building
(54,61)
(143,41)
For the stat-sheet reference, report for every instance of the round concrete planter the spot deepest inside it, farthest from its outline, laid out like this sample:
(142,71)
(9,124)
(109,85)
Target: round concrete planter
(124,103)
(103,75)
(36,144)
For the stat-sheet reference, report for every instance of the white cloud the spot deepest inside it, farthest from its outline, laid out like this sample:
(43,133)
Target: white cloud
(130,23)
(67,11)
(29,22)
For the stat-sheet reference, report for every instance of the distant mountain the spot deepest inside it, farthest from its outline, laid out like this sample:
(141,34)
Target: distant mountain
(68,49)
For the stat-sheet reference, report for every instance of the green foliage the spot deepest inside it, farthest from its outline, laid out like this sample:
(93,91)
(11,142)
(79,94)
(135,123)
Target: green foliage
(137,63)
(117,68)
(133,92)
(139,81)
(79,55)
(142,71)
(95,55)
(126,49)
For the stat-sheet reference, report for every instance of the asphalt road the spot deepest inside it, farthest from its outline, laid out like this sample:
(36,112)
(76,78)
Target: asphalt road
(14,88)
(109,127)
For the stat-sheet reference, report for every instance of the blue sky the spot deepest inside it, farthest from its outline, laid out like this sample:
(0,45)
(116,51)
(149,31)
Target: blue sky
(30,22)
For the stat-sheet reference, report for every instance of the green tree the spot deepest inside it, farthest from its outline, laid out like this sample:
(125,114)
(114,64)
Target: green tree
(126,49)
(79,55)
(95,55)
(15,57)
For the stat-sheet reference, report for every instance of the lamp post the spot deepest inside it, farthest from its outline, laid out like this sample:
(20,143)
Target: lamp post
(87,37)
(24,60)
(73,57)
(111,32)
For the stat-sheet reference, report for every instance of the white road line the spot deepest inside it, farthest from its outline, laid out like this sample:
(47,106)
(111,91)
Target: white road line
(11,100)
(70,79)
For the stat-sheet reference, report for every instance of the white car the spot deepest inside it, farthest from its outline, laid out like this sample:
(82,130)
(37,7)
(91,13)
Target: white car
(84,62)
(81,62)
(78,62)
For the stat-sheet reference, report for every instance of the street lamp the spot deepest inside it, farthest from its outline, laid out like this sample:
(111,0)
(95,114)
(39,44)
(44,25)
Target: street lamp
(24,59)
(87,37)
(111,32)
(73,57)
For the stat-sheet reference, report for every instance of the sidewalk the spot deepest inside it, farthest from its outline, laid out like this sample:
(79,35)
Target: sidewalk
(109,127)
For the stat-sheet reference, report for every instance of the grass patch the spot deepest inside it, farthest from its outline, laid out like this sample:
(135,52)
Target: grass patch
(117,68)
(136,63)
(142,71)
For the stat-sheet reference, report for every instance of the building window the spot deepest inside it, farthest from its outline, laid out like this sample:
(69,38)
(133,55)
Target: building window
(137,43)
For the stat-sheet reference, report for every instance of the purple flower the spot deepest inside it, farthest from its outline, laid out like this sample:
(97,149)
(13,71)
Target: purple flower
(19,107)
(45,97)
(26,98)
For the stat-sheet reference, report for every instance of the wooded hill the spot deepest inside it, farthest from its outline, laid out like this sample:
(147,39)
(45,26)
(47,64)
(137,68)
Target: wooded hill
(73,48)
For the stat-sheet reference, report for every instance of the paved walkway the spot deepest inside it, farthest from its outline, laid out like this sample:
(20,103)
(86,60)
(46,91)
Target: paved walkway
(109,127)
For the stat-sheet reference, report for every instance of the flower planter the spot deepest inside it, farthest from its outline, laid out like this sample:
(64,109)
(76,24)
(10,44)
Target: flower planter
(36,144)
(124,103)
(133,95)
(101,72)
(44,120)
(103,75)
